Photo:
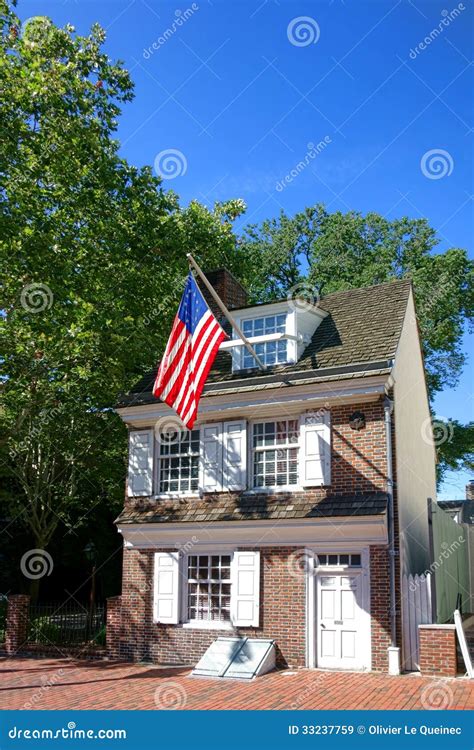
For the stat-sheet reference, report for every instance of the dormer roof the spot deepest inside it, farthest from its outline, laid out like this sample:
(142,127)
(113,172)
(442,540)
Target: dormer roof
(358,335)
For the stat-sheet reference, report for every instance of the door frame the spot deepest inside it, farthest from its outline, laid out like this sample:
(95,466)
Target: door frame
(311,599)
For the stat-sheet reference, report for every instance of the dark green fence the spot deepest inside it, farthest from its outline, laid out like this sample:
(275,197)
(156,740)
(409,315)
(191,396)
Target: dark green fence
(450,564)
(66,624)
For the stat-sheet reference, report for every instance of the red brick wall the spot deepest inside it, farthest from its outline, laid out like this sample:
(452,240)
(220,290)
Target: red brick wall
(16,622)
(114,626)
(282,614)
(229,289)
(358,459)
(358,456)
(438,650)
(380,607)
(358,465)
(133,635)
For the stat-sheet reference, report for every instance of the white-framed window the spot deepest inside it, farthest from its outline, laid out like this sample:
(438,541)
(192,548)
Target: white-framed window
(179,462)
(275,447)
(232,456)
(270,352)
(213,589)
(208,588)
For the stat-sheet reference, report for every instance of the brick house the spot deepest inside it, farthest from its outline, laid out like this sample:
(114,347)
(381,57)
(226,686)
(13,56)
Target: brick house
(298,500)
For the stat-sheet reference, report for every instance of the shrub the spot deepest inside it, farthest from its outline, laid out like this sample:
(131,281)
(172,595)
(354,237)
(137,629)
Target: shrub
(100,637)
(42,630)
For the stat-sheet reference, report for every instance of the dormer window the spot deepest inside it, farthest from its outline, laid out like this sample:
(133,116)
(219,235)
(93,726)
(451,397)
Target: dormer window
(279,332)
(270,352)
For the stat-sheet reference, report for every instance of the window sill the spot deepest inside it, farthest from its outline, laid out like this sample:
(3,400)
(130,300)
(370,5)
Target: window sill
(204,625)
(177,496)
(273,490)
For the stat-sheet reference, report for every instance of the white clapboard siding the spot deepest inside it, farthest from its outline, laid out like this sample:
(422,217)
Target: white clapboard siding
(416,610)
(315,450)
(245,598)
(235,455)
(140,463)
(211,457)
(166,587)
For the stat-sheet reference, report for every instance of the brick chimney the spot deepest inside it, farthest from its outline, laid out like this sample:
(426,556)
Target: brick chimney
(470,490)
(231,291)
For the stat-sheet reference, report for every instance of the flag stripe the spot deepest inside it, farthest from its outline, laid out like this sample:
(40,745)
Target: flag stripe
(197,357)
(204,368)
(185,363)
(190,352)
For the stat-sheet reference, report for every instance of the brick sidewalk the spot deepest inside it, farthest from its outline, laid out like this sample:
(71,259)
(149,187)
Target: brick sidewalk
(68,684)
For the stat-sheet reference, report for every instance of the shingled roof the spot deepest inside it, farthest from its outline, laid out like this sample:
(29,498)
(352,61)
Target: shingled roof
(358,337)
(247,507)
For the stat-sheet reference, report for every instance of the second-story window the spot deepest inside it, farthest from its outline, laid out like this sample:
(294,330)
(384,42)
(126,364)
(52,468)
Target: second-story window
(179,462)
(270,352)
(275,453)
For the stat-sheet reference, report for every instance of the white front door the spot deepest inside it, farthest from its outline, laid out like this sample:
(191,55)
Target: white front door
(339,621)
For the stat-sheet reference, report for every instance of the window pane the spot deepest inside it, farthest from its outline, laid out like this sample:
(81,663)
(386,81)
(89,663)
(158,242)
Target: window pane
(258,327)
(269,433)
(355,560)
(270,324)
(280,323)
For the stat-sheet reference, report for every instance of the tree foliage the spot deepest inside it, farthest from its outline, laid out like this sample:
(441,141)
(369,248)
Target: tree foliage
(456,446)
(336,251)
(94,257)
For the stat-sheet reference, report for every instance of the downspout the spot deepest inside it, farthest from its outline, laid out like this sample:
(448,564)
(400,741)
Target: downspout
(394,657)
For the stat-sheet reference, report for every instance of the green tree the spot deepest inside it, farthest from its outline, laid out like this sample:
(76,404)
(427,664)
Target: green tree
(336,251)
(455,446)
(328,252)
(93,254)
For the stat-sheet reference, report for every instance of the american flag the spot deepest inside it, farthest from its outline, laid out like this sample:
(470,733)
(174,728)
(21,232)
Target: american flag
(191,349)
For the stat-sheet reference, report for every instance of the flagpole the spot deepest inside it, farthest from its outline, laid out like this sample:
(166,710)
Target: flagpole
(225,311)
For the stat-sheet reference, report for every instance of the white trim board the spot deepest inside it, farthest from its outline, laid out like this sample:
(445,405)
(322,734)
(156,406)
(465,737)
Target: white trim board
(463,644)
(335,534)
(295,398)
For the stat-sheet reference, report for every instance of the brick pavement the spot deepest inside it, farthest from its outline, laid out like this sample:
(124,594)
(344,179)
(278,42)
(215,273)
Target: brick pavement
(27,683)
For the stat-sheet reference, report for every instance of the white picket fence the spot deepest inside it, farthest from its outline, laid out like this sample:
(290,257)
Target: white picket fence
(416,610)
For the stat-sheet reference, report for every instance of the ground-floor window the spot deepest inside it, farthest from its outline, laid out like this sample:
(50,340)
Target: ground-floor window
(208,578)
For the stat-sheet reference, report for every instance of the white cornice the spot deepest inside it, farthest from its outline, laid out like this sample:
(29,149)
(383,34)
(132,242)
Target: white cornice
(287,399)
(329,533)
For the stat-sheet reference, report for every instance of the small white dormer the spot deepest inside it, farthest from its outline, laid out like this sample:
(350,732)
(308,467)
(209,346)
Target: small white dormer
(279,332)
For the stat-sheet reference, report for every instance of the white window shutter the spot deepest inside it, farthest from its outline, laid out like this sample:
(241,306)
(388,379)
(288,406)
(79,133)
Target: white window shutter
(315,450)
(235,455)
(166,587)
(245,597)
(211,457)
(140,463)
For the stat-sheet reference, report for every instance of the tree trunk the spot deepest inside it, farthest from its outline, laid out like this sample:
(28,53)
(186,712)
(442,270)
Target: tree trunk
(34,590)
(36,564)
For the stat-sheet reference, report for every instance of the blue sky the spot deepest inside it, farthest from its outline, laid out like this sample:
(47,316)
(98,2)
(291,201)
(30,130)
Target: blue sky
(240,89)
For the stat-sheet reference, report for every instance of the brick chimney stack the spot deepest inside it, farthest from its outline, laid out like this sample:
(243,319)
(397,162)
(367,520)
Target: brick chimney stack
(229,289)
(470,490)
